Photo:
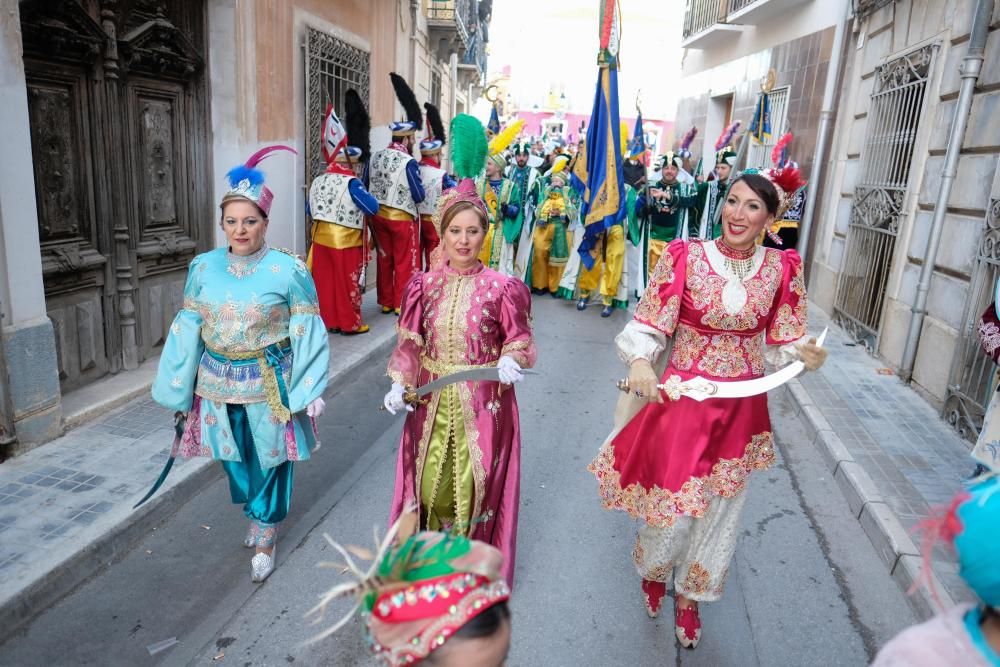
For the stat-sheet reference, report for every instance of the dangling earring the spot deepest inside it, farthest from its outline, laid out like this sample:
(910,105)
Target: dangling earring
(774,237)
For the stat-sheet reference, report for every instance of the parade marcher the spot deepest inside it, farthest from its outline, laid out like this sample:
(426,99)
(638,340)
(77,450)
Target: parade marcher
(434,179)
(247,359)
(667,204)
(784,232)
(986,453)
(681,466)
(338,203)
(427,598)
(459,455)
(608,271)
(551,240)
(501,197)
(966,634)
(712,193)
(527,186)
(394,180)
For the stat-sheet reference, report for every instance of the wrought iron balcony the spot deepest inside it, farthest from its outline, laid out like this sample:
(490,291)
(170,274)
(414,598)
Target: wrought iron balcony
(705,23)
(448,25)
(472,66)
(755,12)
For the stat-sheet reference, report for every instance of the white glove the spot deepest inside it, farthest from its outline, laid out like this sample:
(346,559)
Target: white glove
(394,402)
(315,409)
(509,370)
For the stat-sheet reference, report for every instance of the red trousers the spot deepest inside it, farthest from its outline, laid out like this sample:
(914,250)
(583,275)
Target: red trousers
(397,257)
(429,238)
(336,273)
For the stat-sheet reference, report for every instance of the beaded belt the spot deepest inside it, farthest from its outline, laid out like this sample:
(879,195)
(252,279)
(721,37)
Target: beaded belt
(442,369)
(268,360)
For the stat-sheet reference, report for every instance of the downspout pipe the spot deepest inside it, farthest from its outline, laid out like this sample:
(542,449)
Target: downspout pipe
(972,65)
(833,81)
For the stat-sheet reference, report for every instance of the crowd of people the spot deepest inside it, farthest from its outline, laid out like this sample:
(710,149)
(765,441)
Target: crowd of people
(459,254)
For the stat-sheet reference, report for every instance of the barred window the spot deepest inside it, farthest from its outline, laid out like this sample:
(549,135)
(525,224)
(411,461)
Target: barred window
(759,155)
(435,94)
(332,68)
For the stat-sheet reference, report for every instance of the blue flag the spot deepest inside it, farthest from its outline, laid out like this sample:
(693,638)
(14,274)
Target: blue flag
(494,123)
(638,143)
(604,199)
(760,127)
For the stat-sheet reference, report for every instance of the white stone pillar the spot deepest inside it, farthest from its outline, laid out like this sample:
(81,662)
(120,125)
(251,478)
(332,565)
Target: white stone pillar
(29,342)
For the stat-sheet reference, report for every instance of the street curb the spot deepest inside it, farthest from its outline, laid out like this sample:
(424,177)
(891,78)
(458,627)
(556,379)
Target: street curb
(110,546)
(886,532)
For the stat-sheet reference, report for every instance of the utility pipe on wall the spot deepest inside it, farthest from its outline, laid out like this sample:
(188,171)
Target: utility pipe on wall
(972,65)
(825,123)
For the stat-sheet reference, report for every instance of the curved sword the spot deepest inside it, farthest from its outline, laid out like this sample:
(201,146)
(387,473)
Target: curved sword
(484,374)
(700,389)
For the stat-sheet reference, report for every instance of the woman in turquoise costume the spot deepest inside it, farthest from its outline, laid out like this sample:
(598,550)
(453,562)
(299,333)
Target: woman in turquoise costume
(247,360)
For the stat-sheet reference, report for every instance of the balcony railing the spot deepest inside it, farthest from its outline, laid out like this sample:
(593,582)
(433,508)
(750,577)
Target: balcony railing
(706,22)
(703,14)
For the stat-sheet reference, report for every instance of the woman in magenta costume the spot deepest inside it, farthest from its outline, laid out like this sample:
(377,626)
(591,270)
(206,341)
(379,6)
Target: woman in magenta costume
(459,456)
(679,465)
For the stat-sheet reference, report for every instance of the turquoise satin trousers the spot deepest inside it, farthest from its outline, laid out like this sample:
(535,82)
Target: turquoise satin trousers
(264,494)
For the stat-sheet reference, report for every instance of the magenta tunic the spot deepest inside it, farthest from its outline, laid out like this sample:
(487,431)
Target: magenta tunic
(672,458)
(451,321)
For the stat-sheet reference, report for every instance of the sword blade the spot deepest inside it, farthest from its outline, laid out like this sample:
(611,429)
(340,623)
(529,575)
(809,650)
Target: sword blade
(487,373)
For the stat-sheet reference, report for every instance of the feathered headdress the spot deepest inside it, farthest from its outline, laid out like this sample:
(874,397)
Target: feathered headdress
(558,164)
(418,591)
(685,147)
(247,182)
(779,155)
(435,128)
(414,117)
(468,156)
(505,138)
(358,125)
(727,136)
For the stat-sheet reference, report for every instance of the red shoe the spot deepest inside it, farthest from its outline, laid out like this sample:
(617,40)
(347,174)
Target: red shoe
(653,591)
(687,624)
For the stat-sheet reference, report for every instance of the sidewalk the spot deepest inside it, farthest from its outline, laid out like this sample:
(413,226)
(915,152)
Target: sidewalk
(892,454)
(66,507)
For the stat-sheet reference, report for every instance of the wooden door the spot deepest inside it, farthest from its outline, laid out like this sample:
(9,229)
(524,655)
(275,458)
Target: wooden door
(118,111)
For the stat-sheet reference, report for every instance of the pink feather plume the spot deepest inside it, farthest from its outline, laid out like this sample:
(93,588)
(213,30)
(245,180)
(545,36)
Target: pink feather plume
(727,136)
(779,148)
(255,159)
(689,138)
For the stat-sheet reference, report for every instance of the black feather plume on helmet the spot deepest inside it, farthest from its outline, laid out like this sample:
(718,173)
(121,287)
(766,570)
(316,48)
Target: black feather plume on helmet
(434,121)
(357,123)
(409,101)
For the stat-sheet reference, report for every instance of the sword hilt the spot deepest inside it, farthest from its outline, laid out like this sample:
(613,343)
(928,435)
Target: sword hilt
(410,398)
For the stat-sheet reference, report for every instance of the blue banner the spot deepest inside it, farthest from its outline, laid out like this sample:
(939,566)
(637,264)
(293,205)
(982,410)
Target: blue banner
(760,128)
(604,199)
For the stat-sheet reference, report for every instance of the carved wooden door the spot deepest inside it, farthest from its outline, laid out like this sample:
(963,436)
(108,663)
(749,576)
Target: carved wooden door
(118,110)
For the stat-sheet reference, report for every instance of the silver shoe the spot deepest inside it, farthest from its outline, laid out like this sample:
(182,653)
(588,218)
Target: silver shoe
(250,541)
(262,565)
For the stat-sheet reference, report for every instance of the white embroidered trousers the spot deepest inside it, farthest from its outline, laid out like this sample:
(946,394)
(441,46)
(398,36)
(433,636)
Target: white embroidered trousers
(695,552)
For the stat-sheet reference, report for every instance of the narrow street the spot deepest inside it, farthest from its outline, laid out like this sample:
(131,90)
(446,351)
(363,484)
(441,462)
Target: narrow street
(807,587)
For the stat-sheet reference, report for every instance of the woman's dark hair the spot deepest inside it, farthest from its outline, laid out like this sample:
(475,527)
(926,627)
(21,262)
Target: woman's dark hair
(485,624)
(761,187)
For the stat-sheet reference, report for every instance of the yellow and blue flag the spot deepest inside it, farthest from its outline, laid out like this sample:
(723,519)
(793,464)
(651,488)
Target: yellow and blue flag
(760,127)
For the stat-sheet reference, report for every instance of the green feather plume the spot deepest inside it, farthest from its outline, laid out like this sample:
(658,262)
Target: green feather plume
(468,146)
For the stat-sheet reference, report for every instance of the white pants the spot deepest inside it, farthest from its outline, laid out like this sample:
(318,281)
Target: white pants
(695,552)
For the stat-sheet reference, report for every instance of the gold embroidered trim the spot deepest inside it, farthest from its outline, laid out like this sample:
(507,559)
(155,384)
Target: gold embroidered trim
(440,368)
(190,304)
(408,334)
(661,507)
(304,309)
(517,346)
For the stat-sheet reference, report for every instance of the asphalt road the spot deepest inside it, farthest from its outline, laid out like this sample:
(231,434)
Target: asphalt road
(806,587)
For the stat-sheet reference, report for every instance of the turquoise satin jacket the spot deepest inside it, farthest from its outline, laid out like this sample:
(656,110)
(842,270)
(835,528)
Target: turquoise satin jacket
(249,333)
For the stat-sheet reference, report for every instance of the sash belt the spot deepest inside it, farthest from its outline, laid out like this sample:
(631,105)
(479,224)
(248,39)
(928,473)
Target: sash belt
(269,360)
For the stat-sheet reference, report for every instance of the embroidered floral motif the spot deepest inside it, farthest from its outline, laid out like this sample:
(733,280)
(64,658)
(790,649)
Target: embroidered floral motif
(651,309)
(697,579)
(786,326)
(660,507)
(989,337)
(275,268)
(724,357)
(176,382)
(304,309)
(688,346)
(211,420)
(300,330)
(309,381)
(705,287)
(175,329)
